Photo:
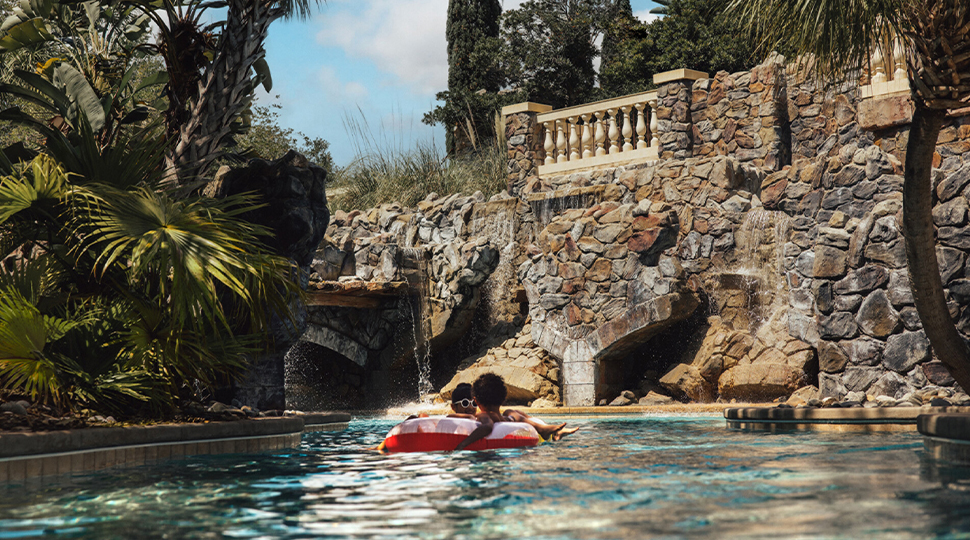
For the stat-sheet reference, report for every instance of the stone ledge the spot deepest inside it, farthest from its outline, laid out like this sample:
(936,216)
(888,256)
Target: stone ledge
(946,425)
(855,415)
(946,437)
(527,106)
(335,421)
(311,419)
(49,442)
(679,75)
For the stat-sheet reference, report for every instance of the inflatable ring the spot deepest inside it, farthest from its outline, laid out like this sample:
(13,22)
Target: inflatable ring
(444,434)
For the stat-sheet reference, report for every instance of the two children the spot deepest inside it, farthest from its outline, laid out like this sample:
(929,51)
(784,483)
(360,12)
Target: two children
(488,393)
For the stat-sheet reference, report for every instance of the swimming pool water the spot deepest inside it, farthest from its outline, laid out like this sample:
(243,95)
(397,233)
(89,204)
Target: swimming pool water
(650,477)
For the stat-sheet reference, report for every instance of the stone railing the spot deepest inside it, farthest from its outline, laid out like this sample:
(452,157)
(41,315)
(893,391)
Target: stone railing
(603,133)
(889,75)
(636,128)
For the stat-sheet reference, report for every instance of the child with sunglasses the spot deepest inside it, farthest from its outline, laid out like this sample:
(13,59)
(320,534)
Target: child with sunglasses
(489,394)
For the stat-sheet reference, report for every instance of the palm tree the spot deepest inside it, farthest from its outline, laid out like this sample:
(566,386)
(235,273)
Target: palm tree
(840,35)
(225,88)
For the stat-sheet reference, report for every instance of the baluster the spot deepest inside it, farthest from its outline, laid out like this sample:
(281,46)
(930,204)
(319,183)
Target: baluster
(877,64)
(560,143)
(641,127)
(899,59)
(654,140)
(627,129)
(573,140)
(587,137)
(549,146)
(600,134)
(614,133)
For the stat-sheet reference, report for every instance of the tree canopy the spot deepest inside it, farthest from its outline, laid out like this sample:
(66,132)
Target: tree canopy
(474,76)
(694,34)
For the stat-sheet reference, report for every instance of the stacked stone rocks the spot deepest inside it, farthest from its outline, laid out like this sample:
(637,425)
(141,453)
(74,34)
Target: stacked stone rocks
(522,133)
(595,263)
(674,120)
(822,119)
(743,115)
(846,269)
(531,375)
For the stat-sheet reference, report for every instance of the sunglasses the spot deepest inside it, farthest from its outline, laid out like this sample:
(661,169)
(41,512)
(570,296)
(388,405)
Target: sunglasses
(466,403)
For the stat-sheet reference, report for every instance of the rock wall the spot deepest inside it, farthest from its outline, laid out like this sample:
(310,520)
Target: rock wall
(531,375)
(775,209)
(441,255)
(293,193)
(744,115)
(846,267)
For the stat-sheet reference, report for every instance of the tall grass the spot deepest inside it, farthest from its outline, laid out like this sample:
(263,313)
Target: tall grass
(385,172)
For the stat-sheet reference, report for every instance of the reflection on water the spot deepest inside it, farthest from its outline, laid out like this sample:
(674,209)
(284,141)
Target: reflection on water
(629,478)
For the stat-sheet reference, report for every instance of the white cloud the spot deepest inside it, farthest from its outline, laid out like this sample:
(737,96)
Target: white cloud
(645,15)
(338,91)
(403,38)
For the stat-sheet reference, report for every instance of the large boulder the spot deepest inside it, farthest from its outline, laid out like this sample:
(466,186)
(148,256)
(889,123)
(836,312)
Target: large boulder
(685,380)
(529,372)
(759,382)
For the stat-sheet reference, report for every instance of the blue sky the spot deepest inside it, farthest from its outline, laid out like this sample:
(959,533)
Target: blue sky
(386,58)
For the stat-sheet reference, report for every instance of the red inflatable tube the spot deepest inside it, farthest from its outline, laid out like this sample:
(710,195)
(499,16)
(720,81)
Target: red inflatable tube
(444,434)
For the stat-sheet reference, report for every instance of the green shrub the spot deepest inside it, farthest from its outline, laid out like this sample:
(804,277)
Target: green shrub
(382,173)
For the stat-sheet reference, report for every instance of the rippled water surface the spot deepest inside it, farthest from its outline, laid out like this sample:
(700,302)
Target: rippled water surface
(648,477)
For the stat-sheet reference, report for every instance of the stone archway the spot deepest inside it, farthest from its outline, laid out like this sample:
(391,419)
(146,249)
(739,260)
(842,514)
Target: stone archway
(320,378)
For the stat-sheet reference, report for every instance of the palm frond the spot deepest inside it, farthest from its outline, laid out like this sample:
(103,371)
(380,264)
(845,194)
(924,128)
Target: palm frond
(24,334)
(838,34)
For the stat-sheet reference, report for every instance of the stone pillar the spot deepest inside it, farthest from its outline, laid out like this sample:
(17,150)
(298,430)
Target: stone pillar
(524,136)
(674,122)
(293,193)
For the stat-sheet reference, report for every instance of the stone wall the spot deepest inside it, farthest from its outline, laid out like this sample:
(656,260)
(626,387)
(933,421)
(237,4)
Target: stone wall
(294,209)
(523,138)
(674,122)
(744,115)
(444,253)
(846,267)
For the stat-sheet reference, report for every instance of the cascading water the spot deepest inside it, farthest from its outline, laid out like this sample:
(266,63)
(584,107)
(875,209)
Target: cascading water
(753,290)
(422,352)
(419,319)
(501,283)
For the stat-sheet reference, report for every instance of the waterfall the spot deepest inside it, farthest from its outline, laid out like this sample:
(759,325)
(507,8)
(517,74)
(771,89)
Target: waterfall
(752,291)
(415,268)
(422,352)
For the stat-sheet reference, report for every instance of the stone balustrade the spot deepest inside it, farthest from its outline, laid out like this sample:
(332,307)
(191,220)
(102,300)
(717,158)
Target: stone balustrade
(889,77)
(608,132)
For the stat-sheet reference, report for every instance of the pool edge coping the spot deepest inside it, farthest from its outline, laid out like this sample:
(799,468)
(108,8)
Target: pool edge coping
(26,456)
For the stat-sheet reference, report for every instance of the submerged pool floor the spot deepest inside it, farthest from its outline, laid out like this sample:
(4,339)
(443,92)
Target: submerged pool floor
(650,477)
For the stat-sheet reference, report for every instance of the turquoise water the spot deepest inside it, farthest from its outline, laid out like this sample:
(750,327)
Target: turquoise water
(650,477)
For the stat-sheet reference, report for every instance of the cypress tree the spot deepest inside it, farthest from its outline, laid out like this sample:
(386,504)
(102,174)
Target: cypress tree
(473,75)
(620,16)
(470,23)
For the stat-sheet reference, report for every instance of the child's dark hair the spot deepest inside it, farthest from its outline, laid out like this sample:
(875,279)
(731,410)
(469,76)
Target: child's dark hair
(462,391)
(489,390)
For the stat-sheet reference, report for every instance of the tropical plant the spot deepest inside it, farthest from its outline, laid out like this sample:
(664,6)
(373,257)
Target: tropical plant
(224,89)
(118,294)
(77,78)
(935,35)
(662,8)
